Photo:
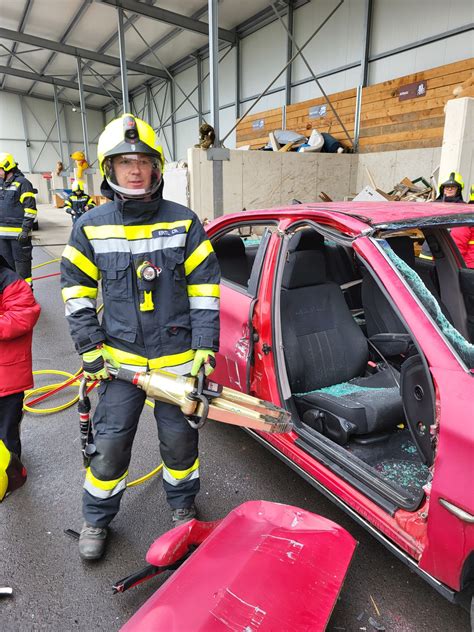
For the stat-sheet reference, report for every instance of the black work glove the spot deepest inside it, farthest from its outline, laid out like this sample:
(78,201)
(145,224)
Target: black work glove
(23,237)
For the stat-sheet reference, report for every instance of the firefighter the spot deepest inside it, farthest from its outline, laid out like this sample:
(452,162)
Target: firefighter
(160,288)
(464,238)
(18,315)
(17,216)
(78,202)
(450,191)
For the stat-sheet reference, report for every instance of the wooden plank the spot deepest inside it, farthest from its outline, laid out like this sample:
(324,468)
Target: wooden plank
(425,124)
(417,134)
(396,146)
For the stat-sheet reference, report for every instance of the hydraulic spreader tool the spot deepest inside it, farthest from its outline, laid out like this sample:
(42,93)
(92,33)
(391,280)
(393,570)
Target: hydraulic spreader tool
(198,398)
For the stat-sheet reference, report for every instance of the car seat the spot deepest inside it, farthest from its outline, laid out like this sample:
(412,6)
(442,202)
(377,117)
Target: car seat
(230,252)
(326,356)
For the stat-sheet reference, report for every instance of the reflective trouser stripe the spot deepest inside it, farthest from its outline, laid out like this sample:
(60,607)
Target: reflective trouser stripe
(31,213)
(422,256)
(197,257)
(177,477)
(104,489)
(82,262)
(75,304)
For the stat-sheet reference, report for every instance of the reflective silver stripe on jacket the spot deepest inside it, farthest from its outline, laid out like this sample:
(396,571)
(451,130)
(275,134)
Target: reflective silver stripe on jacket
(138,246)
(75,304)
(179,369)
(203,302)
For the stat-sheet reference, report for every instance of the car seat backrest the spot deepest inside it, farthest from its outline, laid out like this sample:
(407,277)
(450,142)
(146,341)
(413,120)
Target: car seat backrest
(230,252)
(323,344)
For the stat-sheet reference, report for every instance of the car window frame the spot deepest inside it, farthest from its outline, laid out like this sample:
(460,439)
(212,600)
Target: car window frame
(256,273)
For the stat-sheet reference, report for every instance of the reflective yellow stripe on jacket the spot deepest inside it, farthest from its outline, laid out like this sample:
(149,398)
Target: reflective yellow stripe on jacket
(82,262)
(204,296)
(202,252)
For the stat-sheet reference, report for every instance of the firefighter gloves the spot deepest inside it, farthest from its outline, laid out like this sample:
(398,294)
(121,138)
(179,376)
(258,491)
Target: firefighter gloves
(93,365)
(204,357)
(23,237)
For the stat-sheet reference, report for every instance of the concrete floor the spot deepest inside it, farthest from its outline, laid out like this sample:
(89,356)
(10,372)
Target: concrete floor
(55,591)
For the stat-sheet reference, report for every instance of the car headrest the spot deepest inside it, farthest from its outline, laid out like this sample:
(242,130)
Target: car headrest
(229,246)
(304,269)
(403,248)
(306,239)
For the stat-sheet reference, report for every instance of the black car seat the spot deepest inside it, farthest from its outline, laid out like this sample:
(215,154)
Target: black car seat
(326,355)
(380,317)
(230,252)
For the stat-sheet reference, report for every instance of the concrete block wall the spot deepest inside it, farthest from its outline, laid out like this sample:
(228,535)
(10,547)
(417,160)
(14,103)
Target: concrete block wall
(261,179)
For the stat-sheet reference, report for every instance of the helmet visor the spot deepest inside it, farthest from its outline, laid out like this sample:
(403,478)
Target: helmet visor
(133,175)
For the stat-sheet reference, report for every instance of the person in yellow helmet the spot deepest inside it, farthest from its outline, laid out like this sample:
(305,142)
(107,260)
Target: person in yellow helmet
(450,191)
(79,202)
(17,216)
(160,288)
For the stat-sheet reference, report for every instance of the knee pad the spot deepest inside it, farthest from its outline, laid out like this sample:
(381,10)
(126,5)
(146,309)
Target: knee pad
(112,458)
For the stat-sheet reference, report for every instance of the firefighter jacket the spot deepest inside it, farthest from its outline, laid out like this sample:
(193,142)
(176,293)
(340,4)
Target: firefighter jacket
(464,239)
(76,204)
(155,324)
(17,206)
(18,315)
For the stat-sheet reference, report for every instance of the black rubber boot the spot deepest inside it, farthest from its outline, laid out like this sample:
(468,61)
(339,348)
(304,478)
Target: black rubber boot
(182,514)
(92,542)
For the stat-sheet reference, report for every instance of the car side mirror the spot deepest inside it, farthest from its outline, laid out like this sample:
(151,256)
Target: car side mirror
(391,344)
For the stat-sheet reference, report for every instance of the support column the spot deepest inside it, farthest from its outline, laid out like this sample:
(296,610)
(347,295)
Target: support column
(289,53)
(123,62)
(149,105)
(199,91)
(457,150)
(214,68)
(85,134)
(173,125)
(237,79)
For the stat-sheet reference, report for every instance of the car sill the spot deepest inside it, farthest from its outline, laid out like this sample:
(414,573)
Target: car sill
(442,589)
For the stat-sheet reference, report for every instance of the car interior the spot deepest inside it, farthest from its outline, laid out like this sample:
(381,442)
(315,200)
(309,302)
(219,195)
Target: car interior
(361,391)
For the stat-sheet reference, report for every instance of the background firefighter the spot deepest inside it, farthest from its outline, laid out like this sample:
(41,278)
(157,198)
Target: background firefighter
(79,202)
(160,285)
(17,216)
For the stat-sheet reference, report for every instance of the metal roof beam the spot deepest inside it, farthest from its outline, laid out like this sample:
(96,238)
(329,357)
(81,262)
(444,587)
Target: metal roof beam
(43,97)
(21,26)
(78,52)
(175,19)
(78,15)
(23,74)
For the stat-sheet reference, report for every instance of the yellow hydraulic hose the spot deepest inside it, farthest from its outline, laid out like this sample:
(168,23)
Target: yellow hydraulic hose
(40,265)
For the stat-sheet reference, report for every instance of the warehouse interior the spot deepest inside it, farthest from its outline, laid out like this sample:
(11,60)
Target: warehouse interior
(293,65)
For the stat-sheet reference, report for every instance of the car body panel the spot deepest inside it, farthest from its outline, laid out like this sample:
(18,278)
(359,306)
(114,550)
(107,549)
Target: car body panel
(266,566)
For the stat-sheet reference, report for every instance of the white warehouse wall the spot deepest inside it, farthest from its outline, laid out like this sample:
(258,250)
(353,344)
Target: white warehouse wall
(40,120)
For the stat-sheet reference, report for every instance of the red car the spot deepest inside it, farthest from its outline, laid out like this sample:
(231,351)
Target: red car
(330,311)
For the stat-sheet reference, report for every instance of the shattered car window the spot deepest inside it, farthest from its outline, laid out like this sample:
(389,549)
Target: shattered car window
(459,343)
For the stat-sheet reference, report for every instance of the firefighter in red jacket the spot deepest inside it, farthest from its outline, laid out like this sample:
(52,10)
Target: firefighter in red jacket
(18,315)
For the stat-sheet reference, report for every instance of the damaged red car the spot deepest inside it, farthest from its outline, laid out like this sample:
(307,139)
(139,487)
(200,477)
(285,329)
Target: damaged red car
(330,311)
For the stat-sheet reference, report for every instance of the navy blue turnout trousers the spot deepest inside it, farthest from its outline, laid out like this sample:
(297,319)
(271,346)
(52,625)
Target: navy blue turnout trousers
(115,423)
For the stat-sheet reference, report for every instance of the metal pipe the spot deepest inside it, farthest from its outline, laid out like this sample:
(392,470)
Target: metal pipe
(284,68)
(199,80)
(173,124)
(123,62)
(366,43)
(312,74)
(237,79)
(83,108)
(25,132)
(289,51)
(355,144)
(58,123)
(214,68)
